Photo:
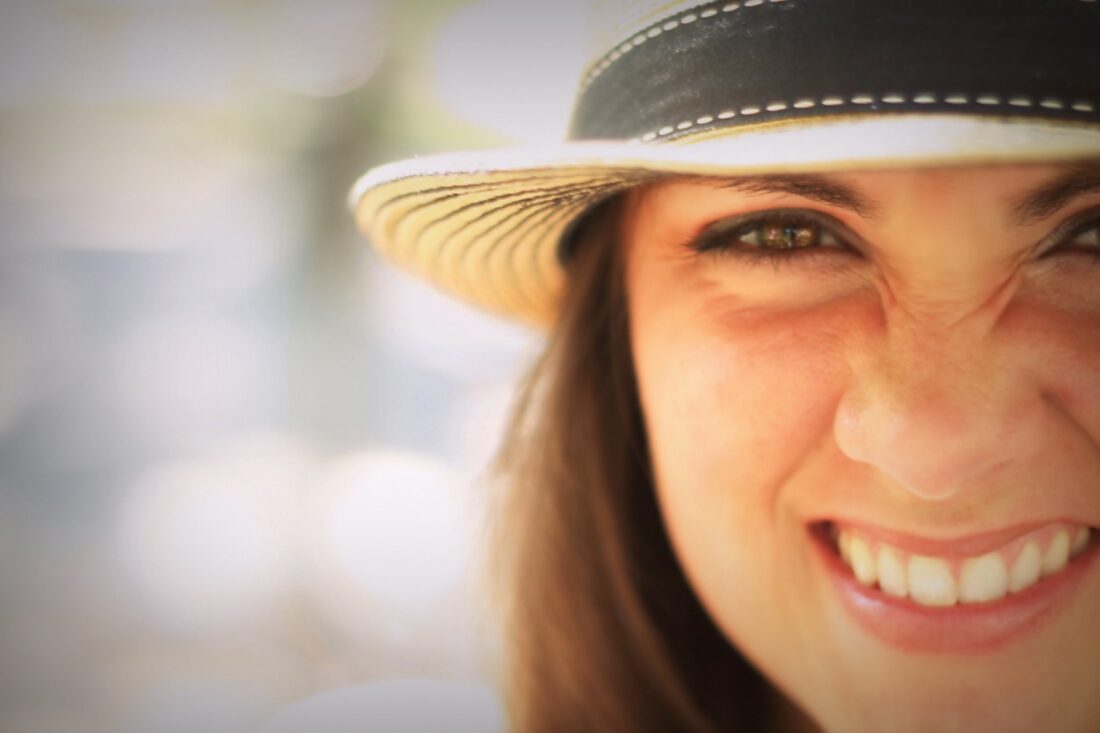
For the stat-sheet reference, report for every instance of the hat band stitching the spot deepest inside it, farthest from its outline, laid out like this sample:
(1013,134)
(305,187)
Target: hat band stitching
(985,100)
(603,63)
(663,26)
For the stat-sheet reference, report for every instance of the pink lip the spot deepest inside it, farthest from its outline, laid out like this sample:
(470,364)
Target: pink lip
(959,629)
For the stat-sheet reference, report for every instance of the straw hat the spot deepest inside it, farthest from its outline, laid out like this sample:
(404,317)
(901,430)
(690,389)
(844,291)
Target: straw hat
(730,88)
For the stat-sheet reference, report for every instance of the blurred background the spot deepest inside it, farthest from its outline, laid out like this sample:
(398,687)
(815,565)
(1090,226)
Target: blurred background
(242,461)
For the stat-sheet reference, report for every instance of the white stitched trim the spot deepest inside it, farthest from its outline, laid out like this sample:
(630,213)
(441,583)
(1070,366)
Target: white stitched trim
(602,65)
(691,17)
(1016,100)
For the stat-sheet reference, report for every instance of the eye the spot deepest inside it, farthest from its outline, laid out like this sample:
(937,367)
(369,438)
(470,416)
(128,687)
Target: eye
(776,235)
(780,234)
(1079,235)
(1086,237)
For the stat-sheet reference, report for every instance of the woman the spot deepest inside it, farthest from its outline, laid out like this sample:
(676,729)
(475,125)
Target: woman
(813,445)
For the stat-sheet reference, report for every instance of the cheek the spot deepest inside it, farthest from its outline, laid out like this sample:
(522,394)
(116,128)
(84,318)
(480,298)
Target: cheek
(735,403)
(1064,351)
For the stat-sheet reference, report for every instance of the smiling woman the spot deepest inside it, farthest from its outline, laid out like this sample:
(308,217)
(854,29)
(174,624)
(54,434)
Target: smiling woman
(916,388)
(814,442)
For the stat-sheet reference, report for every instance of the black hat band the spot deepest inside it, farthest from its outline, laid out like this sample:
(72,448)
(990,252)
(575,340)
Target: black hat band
(739,63)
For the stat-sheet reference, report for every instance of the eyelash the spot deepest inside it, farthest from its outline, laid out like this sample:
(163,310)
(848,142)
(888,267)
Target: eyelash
(732,237)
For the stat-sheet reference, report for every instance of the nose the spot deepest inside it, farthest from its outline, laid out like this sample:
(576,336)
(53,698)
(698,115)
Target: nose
(937,410)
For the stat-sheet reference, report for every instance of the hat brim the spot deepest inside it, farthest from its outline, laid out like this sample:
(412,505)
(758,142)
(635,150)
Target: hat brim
(486,226)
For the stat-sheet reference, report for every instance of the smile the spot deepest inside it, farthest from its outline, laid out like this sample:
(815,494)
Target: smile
(969,595)
(930,580)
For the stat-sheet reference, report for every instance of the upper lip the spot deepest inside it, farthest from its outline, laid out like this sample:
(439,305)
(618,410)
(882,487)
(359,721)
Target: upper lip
(970,544)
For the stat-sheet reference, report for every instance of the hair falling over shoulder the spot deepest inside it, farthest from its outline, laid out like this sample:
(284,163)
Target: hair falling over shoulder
(602,631)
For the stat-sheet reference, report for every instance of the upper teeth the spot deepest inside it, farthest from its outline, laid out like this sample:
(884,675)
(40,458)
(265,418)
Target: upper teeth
(938,581)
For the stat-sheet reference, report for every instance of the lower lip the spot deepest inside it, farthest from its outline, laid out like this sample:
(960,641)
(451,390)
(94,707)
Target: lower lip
(960,629)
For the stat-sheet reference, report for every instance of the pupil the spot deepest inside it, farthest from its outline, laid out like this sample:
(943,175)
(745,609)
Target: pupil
(788,236)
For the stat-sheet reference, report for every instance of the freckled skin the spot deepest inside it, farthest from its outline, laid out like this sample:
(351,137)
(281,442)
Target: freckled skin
(943,381)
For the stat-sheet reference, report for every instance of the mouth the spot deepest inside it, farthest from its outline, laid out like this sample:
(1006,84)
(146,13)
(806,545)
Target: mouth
(967,595)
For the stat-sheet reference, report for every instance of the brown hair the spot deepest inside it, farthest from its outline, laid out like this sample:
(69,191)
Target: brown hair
(602,630)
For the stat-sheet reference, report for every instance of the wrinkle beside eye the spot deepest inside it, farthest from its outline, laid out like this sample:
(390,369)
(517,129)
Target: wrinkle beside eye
(950,302)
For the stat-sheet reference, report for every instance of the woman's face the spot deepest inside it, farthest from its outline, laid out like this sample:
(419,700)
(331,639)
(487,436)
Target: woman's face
(873,405)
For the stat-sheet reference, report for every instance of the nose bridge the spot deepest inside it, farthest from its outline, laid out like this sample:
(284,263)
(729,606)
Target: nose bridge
(931,404)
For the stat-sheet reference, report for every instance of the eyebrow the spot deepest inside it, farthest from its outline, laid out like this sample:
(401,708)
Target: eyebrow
(1052,196)
(813,187)
(1029,208)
